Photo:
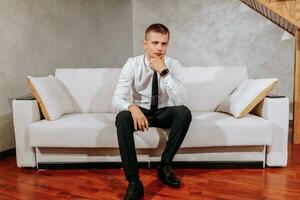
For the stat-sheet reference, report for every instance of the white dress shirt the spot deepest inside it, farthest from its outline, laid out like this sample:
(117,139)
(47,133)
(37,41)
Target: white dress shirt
(135,85)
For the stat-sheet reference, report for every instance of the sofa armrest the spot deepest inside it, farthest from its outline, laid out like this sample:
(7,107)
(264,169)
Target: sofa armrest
(276,109)
(24,113)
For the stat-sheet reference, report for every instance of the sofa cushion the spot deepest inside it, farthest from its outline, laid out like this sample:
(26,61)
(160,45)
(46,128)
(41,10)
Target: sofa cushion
(98,130)
(246,96)
(83,130)
(207,87)
(91,89)
(51,96)
(220,129)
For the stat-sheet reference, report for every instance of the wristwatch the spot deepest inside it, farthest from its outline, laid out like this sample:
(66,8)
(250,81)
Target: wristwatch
(164,72)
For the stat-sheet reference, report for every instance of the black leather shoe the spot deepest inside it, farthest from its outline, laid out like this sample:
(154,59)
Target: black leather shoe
(166,175)
(135,191)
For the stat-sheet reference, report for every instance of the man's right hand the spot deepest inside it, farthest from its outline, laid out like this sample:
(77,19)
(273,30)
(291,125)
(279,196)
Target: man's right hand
(139,119)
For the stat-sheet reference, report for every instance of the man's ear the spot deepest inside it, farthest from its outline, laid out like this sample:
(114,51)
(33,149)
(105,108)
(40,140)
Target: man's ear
(145,43)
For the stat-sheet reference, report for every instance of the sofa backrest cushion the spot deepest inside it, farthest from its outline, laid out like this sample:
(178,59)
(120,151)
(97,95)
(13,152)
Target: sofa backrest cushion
(207,87)
(92,89)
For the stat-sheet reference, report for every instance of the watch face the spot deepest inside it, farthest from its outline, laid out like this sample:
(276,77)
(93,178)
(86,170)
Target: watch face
(164,72)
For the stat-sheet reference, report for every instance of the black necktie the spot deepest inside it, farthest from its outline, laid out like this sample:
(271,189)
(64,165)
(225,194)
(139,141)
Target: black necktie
(154,97)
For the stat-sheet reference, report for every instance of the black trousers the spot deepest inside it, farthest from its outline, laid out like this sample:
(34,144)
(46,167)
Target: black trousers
(177,118)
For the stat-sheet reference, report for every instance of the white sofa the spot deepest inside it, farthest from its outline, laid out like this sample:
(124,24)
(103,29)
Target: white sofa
(89,135)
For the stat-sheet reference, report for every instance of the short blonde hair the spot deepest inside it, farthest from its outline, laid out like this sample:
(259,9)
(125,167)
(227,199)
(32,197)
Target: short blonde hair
(157,28)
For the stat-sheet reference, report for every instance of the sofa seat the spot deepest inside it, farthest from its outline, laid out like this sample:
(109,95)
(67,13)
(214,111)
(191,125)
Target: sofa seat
(97,130)
(209,129)
(83,130)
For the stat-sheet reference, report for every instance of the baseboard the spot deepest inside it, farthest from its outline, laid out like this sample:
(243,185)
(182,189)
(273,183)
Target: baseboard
(7,153)
(179,165)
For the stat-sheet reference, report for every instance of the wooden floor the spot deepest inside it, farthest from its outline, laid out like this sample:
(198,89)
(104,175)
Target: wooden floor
(231,184)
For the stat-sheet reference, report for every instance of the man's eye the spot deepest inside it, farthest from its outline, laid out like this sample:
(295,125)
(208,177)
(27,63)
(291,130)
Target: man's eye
(155,43)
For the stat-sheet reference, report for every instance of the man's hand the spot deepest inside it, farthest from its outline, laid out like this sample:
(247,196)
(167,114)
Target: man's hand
(139,120)
(157,63)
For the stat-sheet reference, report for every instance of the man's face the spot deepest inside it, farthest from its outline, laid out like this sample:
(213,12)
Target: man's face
(156,44)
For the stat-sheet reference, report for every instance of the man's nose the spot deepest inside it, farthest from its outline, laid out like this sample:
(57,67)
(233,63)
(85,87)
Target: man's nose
(159,47)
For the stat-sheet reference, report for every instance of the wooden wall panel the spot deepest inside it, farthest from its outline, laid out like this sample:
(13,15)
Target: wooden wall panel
(296,115)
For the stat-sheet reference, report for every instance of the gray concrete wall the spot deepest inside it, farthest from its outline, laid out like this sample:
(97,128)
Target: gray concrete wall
(220,32)
(37,36)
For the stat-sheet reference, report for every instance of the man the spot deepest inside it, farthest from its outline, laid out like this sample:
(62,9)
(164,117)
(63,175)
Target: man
(158,96)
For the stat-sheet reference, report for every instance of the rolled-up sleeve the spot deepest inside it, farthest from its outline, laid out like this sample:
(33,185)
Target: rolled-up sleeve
(121,98)
(174,84)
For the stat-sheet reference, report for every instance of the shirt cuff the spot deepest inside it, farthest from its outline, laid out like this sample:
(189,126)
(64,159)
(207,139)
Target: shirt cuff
(168,80)
(125,106)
